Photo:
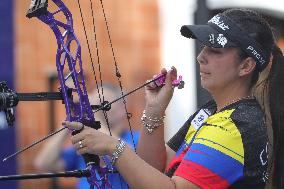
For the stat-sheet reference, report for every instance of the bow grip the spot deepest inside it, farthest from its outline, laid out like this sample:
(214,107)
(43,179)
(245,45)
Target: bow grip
(90,159)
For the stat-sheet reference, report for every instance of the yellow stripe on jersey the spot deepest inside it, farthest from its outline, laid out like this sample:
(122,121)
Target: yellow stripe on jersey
(189,134)
(220,132)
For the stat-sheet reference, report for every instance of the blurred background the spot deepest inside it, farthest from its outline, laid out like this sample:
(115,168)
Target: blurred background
(145,37)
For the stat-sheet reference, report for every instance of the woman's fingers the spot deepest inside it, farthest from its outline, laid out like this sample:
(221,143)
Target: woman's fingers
(79,144)
(78,137)
(173,73)
(151,85)
(73,125)
(90,140)
(82,147)
(81,151)
(170,75)
(164,71)
(154,85)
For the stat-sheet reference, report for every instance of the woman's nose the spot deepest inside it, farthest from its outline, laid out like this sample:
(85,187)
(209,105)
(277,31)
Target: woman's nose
(201,57)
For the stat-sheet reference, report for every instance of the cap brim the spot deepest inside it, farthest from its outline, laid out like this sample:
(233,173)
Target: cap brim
(207,35)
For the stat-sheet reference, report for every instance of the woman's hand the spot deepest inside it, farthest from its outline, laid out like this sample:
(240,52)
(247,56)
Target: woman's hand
(158,98)
(92,141)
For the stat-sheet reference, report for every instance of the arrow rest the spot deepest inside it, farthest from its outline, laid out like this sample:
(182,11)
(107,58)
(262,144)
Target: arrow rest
(105,106)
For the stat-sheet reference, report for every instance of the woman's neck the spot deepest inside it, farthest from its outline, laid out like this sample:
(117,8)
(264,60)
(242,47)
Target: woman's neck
(229,96)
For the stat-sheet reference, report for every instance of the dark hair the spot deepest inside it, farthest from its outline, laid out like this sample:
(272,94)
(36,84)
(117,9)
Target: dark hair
(269,91)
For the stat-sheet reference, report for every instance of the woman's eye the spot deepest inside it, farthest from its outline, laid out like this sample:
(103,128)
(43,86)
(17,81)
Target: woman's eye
(214,50)
(210,49)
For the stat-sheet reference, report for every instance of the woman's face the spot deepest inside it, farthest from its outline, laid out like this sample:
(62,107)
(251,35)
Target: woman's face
(219,67)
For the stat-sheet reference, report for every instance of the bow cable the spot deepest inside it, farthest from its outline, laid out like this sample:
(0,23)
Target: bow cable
(118,75)
(102,99)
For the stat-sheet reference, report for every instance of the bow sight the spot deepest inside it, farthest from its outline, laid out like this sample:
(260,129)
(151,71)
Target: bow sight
(8,99)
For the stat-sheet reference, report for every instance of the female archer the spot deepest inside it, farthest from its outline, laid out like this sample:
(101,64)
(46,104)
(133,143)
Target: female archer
(232,141)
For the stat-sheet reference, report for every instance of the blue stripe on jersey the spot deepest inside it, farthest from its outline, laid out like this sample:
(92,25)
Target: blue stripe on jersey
(216,161)
(182,147)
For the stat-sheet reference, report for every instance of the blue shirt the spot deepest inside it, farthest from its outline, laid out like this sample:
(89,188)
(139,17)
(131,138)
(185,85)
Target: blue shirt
(75,162)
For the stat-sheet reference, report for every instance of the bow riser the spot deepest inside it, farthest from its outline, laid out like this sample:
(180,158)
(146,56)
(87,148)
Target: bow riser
(64,55)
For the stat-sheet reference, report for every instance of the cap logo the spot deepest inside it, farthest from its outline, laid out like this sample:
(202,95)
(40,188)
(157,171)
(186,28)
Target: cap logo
(222,40)
(211,38)
(256,54)
(220,23)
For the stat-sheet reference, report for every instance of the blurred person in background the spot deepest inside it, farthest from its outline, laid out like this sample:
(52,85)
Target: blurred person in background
(229,142)
(54,157)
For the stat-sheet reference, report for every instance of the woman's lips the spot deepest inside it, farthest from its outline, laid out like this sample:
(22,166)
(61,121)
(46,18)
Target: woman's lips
(204,73)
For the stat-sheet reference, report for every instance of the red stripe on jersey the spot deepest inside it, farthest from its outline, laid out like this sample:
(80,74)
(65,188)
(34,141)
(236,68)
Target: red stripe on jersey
(200,176)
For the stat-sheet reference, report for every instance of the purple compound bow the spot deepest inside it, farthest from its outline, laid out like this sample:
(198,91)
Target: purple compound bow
(69,68)
(69,60)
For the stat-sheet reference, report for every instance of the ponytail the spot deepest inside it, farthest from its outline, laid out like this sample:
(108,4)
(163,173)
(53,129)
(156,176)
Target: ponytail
(276,108)
(268,88)
(269,91)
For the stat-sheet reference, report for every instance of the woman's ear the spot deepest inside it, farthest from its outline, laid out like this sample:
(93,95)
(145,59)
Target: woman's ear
(247,66)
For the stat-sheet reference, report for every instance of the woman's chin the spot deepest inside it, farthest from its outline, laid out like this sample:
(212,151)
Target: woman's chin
(206,85)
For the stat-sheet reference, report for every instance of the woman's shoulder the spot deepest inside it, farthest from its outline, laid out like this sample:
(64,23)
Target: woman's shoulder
(246,116)
(248,110)
(249,118)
